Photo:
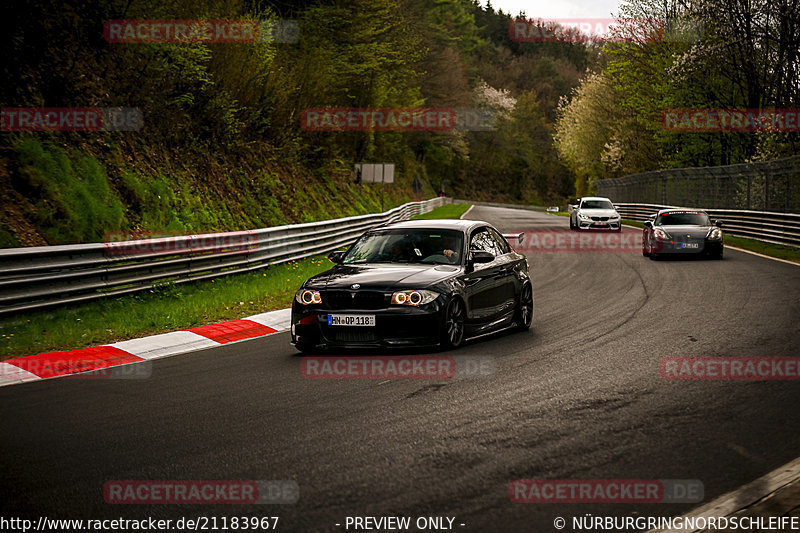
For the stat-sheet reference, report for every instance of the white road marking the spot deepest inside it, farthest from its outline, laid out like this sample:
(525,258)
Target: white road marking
(165,344)
(11,375)
(279,320)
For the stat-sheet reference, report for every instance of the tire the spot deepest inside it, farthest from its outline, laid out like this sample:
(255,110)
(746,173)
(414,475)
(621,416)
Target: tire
(571,225)
(718,255)
(653,257)
(645,251)
(524,315)
(453,326)
(619,228)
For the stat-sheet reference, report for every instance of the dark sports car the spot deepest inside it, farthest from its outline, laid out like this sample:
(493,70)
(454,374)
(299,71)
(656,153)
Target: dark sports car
(682,231)
(415,283)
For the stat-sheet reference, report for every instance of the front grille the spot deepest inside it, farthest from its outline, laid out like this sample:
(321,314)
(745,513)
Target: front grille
(354,299)
(600,219)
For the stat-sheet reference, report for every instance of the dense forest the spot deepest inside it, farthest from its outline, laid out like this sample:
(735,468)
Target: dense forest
(222,146)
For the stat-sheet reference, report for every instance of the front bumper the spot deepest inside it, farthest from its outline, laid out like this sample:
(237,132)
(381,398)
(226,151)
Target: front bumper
(686,247)
(395,326)
(599,225)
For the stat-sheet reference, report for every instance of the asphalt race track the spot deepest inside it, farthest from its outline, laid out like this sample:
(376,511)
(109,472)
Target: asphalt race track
(579,396)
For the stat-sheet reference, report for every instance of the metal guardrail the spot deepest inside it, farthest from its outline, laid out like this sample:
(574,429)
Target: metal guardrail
(496,204)
(766,186)
(45,276)
(776,228)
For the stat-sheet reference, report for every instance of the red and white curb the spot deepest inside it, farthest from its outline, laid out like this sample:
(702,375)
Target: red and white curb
(58,364)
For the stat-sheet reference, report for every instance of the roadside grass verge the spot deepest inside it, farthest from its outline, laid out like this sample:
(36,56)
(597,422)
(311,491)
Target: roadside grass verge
(445,211)
(636,223)
(161,310)
(789,253)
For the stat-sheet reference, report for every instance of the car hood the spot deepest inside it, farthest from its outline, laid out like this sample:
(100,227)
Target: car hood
(383,276)
(598,212)
(694,231)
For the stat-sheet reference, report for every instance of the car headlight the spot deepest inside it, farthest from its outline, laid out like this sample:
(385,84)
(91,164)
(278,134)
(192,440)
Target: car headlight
(414,297)
(660,234)
(715,234)
(615,216)
(584,217)
(308,297)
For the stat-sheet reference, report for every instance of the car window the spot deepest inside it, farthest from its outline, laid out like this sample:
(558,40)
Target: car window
(483,240)
(407,246)
(596,204)
(500,242)
(682,219)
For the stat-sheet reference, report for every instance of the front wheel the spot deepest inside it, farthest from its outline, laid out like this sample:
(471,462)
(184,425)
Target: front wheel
(645,250)
(524,316)
(453,331)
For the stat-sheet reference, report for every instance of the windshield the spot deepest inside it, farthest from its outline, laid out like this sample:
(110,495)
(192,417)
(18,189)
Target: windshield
(596,204)
(408,246)
(682,219)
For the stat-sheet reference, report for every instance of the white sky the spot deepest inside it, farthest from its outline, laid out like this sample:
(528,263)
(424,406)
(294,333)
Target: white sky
(557,8)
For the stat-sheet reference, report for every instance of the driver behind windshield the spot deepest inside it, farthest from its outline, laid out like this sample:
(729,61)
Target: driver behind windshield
(401,250)
(450,248)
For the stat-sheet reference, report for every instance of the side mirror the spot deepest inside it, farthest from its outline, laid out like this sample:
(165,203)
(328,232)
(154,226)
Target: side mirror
(648,224)
(717,223)
(337,256)
(481,256)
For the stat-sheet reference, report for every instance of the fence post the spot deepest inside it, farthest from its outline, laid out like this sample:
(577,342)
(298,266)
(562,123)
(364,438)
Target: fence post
(686,199)
(749,181)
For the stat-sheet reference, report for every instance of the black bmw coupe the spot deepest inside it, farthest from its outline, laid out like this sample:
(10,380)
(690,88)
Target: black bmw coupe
(415,283)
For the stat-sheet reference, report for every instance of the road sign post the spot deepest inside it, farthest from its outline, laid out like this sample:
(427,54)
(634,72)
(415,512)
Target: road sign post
(375,173)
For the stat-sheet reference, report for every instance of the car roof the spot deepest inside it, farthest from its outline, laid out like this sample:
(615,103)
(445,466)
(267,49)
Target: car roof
(437,223)
(689,209)
(594,198)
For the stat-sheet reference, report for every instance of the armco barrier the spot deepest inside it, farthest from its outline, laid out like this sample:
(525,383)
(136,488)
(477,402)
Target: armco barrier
(776,228)
(45,276)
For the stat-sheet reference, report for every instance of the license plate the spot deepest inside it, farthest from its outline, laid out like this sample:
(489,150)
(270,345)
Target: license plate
(351,320)
(601,223)
(690,245)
